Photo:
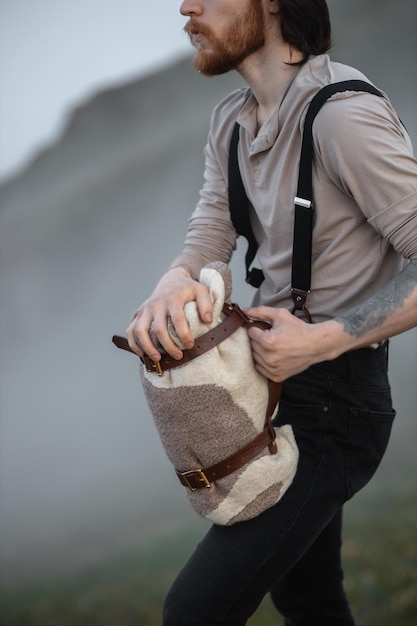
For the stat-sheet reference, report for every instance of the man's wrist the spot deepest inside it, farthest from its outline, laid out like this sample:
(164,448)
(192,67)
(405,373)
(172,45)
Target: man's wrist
(332,340)
(183,267)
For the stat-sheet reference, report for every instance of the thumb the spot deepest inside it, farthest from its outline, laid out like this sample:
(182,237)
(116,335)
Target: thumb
(261,313)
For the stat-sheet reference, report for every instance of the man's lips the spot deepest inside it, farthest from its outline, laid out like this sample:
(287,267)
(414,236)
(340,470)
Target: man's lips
(194,32)
(196,36)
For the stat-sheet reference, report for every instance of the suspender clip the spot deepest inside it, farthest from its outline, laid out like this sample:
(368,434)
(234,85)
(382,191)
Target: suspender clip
(306,204)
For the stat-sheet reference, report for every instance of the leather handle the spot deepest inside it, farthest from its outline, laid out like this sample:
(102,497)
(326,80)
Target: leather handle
(235,318)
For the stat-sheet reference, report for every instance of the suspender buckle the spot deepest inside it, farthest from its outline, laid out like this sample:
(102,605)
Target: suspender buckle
(299,297)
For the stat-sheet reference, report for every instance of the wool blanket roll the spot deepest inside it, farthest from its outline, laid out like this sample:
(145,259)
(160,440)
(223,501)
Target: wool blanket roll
(211,407)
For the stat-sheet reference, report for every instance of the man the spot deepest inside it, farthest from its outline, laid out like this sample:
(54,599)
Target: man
(336,393)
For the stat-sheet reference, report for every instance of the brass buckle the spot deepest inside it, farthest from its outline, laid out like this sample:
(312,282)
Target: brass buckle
(157,366)
(202,478)
(152,366)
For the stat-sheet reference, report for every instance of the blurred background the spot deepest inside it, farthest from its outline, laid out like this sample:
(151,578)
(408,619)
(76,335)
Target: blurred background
(103,123)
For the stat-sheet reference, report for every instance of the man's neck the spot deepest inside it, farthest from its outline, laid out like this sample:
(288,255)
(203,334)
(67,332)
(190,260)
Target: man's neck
(268,73)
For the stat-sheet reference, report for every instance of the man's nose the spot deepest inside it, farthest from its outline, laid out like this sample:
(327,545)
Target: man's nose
(191,7)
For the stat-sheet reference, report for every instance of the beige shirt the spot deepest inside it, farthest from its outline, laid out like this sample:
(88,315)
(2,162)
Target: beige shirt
(364,185)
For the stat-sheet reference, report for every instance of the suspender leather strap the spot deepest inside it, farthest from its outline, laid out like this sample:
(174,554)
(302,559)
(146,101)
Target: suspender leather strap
(303,201)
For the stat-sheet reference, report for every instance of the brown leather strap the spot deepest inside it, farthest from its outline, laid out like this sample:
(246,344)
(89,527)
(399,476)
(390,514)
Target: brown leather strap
(203,477)
(200,478)
(274,396)
(235,318)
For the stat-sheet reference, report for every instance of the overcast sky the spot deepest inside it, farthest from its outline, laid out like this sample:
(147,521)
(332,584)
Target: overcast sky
(54,53)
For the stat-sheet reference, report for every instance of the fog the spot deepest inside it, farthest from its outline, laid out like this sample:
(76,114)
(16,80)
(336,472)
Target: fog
(59,50)
(85,231)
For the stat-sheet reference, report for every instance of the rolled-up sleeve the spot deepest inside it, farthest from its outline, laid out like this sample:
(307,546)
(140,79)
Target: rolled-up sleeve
(370,156)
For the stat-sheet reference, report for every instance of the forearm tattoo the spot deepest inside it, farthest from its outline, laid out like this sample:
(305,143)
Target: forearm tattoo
(379,307)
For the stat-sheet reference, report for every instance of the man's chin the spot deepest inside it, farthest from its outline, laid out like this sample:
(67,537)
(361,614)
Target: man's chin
(208,65)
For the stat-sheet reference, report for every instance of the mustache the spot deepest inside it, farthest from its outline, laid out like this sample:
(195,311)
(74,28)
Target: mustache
(193,26)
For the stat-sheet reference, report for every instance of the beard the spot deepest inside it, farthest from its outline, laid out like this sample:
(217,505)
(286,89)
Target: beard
(240,39)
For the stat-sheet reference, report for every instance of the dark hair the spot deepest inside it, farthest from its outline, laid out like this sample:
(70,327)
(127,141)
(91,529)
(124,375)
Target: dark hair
(305,25)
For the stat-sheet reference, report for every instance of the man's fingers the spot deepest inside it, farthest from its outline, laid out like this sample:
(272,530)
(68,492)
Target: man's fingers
(140,339)
(164,307)
(179,319)
(204,305)
(132,334)
(182,328)
(160,328)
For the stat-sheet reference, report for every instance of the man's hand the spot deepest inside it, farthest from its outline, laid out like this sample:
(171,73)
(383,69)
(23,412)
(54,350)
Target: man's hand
(173,291)
(291,345)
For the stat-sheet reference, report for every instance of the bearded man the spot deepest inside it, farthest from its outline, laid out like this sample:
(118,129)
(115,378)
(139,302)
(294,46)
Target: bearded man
(336,393)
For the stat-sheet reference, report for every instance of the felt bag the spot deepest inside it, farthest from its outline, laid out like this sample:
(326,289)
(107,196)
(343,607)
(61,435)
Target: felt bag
(213,414)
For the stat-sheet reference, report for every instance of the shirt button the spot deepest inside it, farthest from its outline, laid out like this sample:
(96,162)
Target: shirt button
(255,161)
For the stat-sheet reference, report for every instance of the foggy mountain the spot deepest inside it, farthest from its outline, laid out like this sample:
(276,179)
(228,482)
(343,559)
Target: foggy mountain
(85,231)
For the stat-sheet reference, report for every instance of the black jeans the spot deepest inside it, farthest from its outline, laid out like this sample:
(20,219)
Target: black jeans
(341,413)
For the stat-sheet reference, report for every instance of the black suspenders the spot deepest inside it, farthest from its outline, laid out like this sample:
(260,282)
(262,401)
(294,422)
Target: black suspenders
(303,201)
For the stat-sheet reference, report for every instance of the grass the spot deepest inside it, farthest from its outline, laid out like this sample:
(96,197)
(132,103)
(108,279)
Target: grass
(380,556)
